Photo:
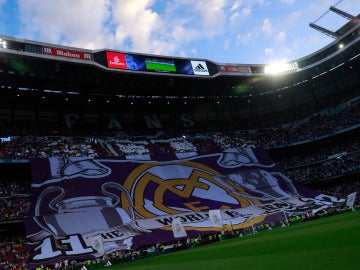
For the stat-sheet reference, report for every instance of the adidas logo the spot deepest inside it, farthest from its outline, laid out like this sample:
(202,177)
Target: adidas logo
(200,68)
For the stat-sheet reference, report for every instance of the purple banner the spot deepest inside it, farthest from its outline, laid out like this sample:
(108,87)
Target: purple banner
(83,208)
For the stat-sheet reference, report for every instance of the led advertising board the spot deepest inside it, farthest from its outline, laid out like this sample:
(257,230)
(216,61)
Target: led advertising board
(137,62)
(59,52)
(234,69)
(200,68)
(116,60)
(161,65)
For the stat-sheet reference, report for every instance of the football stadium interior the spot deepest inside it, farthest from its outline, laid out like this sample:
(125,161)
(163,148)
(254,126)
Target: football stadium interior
(92,139)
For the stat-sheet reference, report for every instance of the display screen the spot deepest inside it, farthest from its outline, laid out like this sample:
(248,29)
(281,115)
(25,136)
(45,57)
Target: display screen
(184,67)
(116,60)
(137,62)
(162,65)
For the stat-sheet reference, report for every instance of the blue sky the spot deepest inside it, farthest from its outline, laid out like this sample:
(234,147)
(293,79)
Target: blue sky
(224,31)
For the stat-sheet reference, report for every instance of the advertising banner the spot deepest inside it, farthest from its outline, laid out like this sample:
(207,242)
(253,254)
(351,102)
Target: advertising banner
(116,60)
(200,68)
(132,203)
(350,200)
(67,53)
(215,218)
(178,228)
(234,69)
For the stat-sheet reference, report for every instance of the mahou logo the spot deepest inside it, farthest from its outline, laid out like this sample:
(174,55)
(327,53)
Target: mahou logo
(116,60)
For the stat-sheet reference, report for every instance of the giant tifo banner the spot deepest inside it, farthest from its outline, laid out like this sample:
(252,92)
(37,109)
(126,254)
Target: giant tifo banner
(83,208)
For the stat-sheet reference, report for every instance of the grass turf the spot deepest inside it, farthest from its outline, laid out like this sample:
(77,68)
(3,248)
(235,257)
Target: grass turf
(327,243)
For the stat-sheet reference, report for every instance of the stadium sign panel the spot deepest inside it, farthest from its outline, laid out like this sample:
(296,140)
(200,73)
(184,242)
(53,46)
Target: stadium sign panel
(159,64)
(200,68)
(116,60)
(234,69)
(84,208)
(136,62)
(67,53)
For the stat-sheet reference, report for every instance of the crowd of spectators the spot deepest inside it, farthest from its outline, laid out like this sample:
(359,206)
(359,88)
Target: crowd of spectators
(25,147)
(342,189)
(13,208)
(319,154)
(14,205)
(335,167)
(337,119)
(14,188)
(326,161)
(14,253)
(14,200)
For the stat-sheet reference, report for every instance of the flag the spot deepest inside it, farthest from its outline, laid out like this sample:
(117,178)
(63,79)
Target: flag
(215,218)
(97,244)
(351,199)
(178,228)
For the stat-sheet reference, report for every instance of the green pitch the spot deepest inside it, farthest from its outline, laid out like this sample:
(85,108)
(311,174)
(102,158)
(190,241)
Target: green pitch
(327,243)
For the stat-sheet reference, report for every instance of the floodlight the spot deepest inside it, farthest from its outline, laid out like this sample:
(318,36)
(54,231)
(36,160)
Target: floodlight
(281,67)
(2,44)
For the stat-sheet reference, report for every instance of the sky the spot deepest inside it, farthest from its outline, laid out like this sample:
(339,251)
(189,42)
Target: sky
(223,31)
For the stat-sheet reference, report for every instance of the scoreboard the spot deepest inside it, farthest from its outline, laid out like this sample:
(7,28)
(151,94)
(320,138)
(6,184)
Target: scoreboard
(137,62)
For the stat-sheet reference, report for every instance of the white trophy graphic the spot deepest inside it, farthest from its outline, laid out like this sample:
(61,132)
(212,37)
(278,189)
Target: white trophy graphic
(100,220)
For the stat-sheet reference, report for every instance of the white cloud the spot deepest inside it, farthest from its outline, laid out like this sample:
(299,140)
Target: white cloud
(288,1)
(246,11)
(126,24)
(136,24)
(60,21)
(269,51)
(203,20)
(212,14)
(245,38)
(236,5)
(234,17)
(267,26)
(240,14)
(280,37)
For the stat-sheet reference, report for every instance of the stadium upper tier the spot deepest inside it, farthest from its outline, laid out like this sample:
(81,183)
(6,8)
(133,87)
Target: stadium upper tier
(46,86)
(181,142)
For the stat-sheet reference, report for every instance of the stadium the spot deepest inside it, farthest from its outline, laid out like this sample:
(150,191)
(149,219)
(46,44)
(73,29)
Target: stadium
(111,157)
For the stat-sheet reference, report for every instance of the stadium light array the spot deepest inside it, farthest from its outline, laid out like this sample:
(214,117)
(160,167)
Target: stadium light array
(2,44)
(277,68)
